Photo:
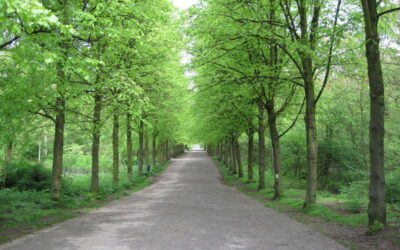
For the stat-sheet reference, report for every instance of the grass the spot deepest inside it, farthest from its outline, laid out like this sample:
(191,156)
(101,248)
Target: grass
(340,208)
(22,212)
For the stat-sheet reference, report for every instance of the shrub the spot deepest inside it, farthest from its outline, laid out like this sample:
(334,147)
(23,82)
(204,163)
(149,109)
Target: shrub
(27,176)
(375,228)
(354,206)
(357,190)
(393,186)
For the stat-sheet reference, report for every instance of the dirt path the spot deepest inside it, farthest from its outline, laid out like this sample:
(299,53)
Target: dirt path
(188,208)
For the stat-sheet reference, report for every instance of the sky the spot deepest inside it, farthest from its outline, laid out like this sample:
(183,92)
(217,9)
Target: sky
(183,4)
(186,58)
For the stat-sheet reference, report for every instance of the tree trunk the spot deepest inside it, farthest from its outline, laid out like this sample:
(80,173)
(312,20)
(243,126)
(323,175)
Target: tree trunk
(160,151)
(58,149)
(115,146)
(276,163)
(362,134)
(272,115)
(167,150)
(250,155)
(311,135)
(221,150)
(217,150)
(229,154)
(58,145)
(238,157)
(141,149)
(154,148)
(39,156)
(226,153)
(377,193)
(308,38)
(45,151)
(261,147)
(146,147)
(129,150)
(94,186)
(9,151)
(233,155)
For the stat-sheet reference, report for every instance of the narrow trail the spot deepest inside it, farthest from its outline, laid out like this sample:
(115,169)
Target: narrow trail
(188,208)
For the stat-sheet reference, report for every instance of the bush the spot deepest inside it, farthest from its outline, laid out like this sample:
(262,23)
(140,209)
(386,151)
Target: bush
(354,206)
(375,228)
(82,164)
(27,176)
(357,190)
(393,186)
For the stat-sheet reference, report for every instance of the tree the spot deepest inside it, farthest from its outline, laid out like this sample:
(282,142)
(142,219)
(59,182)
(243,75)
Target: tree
(377,195)
(303,56)
(248,50)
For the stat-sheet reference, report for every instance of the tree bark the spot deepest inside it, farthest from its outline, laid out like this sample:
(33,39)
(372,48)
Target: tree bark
(94,186)
(238,157)
(58,149)
(39,157)
(233,155)
(146,148)
(222,151)
(308,39)
(272,115)
(377,192)
(226,153)
(261,147)
(60,104)
(229,154)
(129,151)
(115,146)
(276,161)
(9,152)
(160,151)
(45,151)
(311,135)
(250,147)
(154,148)
(141,148)
(167,150)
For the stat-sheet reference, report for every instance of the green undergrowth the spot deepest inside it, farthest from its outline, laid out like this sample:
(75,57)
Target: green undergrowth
(24,211)
(346,208)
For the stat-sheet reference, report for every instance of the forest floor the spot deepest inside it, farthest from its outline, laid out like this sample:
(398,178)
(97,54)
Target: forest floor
(187,208)
(353,237)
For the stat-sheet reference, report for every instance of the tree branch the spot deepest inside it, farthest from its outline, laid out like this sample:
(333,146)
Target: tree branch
(287,100)
(295,120)
(328,66)
(44,115)
(388,11)
(3,45)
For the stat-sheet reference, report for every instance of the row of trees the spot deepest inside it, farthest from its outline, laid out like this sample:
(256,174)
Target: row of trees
(267,63)
(90,66)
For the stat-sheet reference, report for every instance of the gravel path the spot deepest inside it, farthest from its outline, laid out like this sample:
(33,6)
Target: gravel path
(188,208)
